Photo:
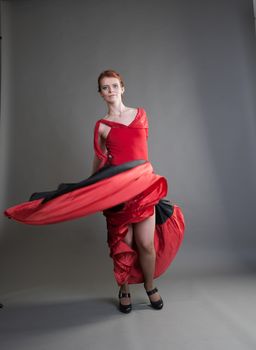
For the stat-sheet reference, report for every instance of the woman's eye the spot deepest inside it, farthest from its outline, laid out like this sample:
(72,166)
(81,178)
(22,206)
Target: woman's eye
(115,85)
(104,87)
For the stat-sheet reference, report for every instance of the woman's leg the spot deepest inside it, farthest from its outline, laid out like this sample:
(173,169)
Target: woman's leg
(144,237)
(125,287)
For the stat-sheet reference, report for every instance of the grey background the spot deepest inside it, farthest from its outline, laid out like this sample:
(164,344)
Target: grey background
(191,65)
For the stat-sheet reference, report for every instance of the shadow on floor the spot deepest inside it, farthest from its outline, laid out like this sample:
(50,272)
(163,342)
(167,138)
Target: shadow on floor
(54,316)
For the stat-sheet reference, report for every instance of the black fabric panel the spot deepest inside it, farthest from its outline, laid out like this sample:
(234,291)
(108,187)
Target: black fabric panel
(105,172)
(164,210)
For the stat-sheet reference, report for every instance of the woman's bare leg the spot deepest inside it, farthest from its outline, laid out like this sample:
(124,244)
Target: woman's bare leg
(125,287)
(144,237)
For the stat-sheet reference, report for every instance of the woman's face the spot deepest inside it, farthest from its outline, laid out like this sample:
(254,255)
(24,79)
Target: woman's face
(111,89)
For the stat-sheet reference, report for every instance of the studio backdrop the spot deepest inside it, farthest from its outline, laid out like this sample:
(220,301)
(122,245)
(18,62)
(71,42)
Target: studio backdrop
(189,64)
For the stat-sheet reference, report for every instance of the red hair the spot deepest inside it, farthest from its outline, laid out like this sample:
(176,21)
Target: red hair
(111,74)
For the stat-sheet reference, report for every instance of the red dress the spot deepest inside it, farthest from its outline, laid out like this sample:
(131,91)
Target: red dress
(126,189)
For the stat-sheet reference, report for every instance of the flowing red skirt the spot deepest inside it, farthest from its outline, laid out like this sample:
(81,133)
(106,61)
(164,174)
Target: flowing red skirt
(126,197)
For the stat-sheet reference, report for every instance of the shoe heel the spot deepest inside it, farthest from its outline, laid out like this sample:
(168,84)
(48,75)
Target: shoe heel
(124,308)
(157,305)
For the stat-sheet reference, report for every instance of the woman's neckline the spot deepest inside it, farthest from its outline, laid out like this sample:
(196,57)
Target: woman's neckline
(112,121)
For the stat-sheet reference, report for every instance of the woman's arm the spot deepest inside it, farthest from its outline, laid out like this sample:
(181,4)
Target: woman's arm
(102,144)
(95,164)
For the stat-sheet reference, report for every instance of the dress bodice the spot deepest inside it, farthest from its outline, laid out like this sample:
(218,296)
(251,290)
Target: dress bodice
(124,142)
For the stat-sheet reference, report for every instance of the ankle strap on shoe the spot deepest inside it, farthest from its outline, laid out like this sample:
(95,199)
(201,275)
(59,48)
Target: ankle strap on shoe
(124,295)
(152,291)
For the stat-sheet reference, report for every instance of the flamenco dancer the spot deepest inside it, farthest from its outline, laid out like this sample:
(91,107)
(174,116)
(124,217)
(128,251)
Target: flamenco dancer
(144,230)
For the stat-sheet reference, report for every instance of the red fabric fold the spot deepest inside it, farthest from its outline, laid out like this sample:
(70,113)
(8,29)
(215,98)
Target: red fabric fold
(90,199)
(167,238)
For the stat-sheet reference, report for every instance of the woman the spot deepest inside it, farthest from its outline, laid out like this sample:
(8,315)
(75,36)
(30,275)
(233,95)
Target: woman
(111,88)
(144,231)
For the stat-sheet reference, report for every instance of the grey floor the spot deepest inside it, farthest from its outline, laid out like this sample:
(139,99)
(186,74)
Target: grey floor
(211,312)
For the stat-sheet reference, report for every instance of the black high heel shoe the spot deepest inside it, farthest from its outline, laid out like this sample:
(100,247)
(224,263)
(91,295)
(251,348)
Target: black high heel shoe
(158,305)
(124,308)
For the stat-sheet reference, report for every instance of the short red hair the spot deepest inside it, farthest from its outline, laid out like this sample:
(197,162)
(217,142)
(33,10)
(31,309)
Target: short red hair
(111,74)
